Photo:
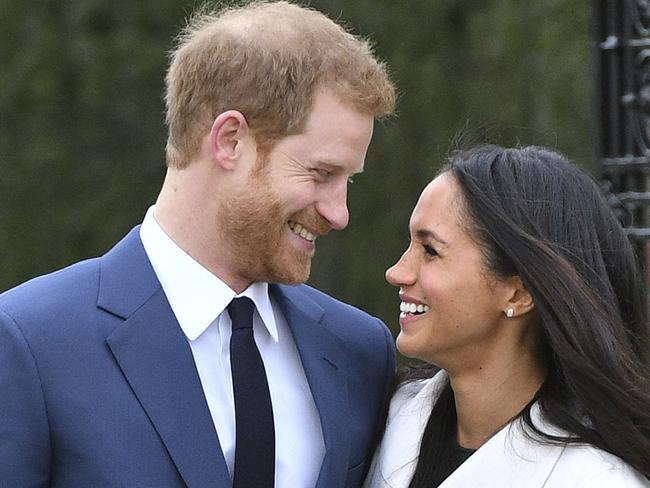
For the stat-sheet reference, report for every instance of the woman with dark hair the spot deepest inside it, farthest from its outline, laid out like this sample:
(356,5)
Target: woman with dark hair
(521,293)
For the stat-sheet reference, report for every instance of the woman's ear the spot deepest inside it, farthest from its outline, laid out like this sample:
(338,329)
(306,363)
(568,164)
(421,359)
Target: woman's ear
(228,131)
(519,301)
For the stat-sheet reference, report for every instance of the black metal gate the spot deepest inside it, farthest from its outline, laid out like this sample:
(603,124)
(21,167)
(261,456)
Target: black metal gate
(622,67)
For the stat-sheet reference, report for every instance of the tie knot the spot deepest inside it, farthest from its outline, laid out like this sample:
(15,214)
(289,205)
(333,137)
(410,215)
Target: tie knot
(241,313)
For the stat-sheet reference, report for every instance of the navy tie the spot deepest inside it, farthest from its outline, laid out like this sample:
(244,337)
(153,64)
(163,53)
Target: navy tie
(255,434)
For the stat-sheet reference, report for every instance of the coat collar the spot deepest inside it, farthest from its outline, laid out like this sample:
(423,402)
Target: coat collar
(156,360)
(512,457)
(126,278)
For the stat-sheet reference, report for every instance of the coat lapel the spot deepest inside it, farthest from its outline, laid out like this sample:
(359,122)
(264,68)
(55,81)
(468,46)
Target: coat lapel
(157,362)
(321,353)
(394,462)
(510,459)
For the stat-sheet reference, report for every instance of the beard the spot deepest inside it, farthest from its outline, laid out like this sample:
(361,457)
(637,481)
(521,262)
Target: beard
(255,226)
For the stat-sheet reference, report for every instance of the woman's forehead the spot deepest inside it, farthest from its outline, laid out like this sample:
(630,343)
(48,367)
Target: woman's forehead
(437,208)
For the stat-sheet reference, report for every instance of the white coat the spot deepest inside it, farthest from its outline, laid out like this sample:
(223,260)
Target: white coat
(510,459)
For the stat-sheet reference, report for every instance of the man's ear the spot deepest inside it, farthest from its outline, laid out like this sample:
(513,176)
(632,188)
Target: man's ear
(519,300)
(226,137)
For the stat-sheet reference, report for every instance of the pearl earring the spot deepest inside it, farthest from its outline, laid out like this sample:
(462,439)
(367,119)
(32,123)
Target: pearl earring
(510,313)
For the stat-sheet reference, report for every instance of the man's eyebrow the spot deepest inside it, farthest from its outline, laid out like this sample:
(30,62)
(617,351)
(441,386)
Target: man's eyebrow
(327,162)
(429,234)
(334,165)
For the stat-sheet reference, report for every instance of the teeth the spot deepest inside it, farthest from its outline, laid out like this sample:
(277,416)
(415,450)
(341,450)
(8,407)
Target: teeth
(301,231)
(407,307)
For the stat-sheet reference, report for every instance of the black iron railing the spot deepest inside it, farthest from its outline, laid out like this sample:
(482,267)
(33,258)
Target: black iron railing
(622,99)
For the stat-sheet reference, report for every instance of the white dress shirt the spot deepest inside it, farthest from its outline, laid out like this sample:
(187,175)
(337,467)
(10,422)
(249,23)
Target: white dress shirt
(199,299)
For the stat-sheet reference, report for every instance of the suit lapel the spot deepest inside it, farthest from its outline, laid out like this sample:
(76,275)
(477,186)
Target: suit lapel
(321,353)
(157,362)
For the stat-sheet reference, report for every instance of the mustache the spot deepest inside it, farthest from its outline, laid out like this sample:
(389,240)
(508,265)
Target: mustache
(312,221)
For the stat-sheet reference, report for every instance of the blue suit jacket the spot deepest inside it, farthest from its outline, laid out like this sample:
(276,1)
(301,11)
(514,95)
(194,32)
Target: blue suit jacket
(98,386)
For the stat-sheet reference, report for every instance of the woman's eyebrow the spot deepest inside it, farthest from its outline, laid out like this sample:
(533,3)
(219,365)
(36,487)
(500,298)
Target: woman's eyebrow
(429,234)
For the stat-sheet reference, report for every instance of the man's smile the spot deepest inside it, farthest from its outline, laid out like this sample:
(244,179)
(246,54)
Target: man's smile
(299,230)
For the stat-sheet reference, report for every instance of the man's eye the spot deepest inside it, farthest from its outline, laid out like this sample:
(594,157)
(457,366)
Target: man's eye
(429,250)
(323,173)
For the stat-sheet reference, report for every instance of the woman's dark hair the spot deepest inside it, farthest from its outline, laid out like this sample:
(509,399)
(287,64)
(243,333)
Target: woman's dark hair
(537,216)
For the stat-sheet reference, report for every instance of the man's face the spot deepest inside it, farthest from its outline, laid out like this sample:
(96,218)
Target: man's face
(297,194)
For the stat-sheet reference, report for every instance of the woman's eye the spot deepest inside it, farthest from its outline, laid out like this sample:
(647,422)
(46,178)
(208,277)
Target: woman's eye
(429,250)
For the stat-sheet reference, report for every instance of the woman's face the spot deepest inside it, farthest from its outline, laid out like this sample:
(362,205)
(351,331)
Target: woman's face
(452,308)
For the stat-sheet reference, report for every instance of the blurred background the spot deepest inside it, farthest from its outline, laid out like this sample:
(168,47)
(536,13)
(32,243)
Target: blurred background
(82,135)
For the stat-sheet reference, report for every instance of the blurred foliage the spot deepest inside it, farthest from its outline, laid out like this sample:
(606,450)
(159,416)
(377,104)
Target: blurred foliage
(82,135)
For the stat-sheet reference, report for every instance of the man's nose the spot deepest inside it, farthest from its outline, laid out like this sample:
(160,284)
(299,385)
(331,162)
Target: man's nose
(333,206)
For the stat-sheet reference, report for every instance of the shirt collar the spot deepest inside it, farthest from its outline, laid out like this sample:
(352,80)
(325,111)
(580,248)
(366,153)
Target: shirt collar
(259,293)
(197,297)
